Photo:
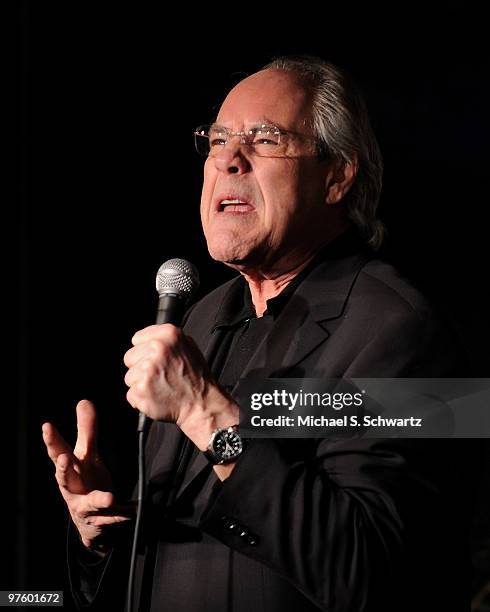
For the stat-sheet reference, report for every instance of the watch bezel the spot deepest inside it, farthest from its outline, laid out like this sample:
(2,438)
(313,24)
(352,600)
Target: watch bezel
(213,454)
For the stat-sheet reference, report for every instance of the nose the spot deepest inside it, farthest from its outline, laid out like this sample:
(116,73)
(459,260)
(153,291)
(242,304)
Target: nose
(231,160)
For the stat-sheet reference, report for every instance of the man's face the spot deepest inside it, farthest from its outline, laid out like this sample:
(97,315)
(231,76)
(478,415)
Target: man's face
(283,206)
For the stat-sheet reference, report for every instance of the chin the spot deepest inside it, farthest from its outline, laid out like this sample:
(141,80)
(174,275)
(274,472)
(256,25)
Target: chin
(227,251)
(225,256)
(242,260)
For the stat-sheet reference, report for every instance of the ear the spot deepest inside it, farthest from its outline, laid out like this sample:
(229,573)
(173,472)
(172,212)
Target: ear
(340,177)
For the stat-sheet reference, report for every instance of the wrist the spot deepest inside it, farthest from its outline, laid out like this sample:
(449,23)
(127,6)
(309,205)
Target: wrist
(93,548)
(203,418)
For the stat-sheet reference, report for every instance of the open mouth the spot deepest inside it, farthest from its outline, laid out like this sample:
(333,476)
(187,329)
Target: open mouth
(235,206)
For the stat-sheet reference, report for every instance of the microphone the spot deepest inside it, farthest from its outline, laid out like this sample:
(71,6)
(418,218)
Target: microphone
(177,282)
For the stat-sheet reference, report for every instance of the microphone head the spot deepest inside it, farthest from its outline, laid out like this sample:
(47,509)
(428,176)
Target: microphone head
(178,277)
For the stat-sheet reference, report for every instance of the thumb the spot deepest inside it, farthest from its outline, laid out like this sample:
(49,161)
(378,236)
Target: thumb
(86,445)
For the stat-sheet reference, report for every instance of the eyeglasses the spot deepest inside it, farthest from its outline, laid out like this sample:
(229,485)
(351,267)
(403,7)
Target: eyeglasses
(262,140)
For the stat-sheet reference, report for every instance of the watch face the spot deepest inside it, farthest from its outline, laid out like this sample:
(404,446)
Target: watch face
(227,444)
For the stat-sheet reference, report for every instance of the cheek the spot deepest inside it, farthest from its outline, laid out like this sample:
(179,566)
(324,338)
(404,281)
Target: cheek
(209,181)
(282,192)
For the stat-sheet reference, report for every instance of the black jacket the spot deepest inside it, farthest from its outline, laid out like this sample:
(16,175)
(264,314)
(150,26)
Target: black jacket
(345,525)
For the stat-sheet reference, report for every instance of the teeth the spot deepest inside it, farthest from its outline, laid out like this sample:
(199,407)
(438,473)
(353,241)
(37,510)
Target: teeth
(224,202)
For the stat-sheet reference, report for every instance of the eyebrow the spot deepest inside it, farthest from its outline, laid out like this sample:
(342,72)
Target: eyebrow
(262,121)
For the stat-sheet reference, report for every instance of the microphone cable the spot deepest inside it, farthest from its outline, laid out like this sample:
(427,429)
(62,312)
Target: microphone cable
(176,282)
(142,426)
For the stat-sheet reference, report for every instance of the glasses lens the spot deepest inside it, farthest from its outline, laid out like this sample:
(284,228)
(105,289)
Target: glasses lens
(201,140)
(266,141)
(218,137)
(263,140)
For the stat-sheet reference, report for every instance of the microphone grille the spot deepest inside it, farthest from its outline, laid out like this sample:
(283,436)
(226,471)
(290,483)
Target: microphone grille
(177,276)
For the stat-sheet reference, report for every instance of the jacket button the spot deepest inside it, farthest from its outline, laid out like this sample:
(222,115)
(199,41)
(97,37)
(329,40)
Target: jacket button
(248,537)
(231,525)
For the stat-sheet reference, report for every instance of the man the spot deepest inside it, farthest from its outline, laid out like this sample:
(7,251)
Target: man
(291,183)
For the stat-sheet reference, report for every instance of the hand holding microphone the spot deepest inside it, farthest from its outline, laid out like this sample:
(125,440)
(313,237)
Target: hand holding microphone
(162,357)
(168,377)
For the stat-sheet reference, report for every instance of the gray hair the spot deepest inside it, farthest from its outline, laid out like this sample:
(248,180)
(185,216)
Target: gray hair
(342,129)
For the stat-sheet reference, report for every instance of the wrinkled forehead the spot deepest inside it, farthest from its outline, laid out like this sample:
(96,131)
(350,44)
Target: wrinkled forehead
(268,96)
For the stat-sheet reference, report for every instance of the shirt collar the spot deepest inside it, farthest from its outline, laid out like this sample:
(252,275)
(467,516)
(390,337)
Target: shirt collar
(238,307)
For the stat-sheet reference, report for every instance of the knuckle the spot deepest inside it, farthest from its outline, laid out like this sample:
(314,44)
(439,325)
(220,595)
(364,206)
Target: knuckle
(157,349)
(143,406)
(140,387)
(147,366)
(60,478)
(130,398)
(78,513)
(174,333)
(170,332)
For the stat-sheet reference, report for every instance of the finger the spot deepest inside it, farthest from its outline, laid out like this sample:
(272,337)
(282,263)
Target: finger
(141,373)
(67,476)
(55,444)
(92,504)
(127,509)
(97,501)
(166,331)
(119,511)
(137,353)
(157,350)
(136,400)
(101,521)
(86,446)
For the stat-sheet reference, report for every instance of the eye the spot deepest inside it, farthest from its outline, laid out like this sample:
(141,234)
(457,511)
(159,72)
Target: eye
(265,135)
(217,137)
(265,141)
(216,141)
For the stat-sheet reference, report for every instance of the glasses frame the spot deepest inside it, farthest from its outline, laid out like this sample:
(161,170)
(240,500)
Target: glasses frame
(202,132)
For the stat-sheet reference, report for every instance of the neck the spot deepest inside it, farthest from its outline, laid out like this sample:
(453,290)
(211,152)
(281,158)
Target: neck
(267,281)
(266,285)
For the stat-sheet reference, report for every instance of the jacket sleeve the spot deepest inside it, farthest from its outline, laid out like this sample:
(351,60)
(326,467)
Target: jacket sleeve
(96,582)
(354,524)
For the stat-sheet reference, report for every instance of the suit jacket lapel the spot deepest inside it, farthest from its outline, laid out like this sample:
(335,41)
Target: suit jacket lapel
(300,328)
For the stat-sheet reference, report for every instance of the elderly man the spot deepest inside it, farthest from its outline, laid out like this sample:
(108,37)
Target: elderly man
(291,184)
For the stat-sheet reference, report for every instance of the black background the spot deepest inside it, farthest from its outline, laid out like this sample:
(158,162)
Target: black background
(109,185)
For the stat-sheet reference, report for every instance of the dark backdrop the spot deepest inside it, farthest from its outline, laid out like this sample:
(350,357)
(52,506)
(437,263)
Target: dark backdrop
(109,186)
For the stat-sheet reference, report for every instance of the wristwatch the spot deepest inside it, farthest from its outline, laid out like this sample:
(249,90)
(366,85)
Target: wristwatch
(225,446)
